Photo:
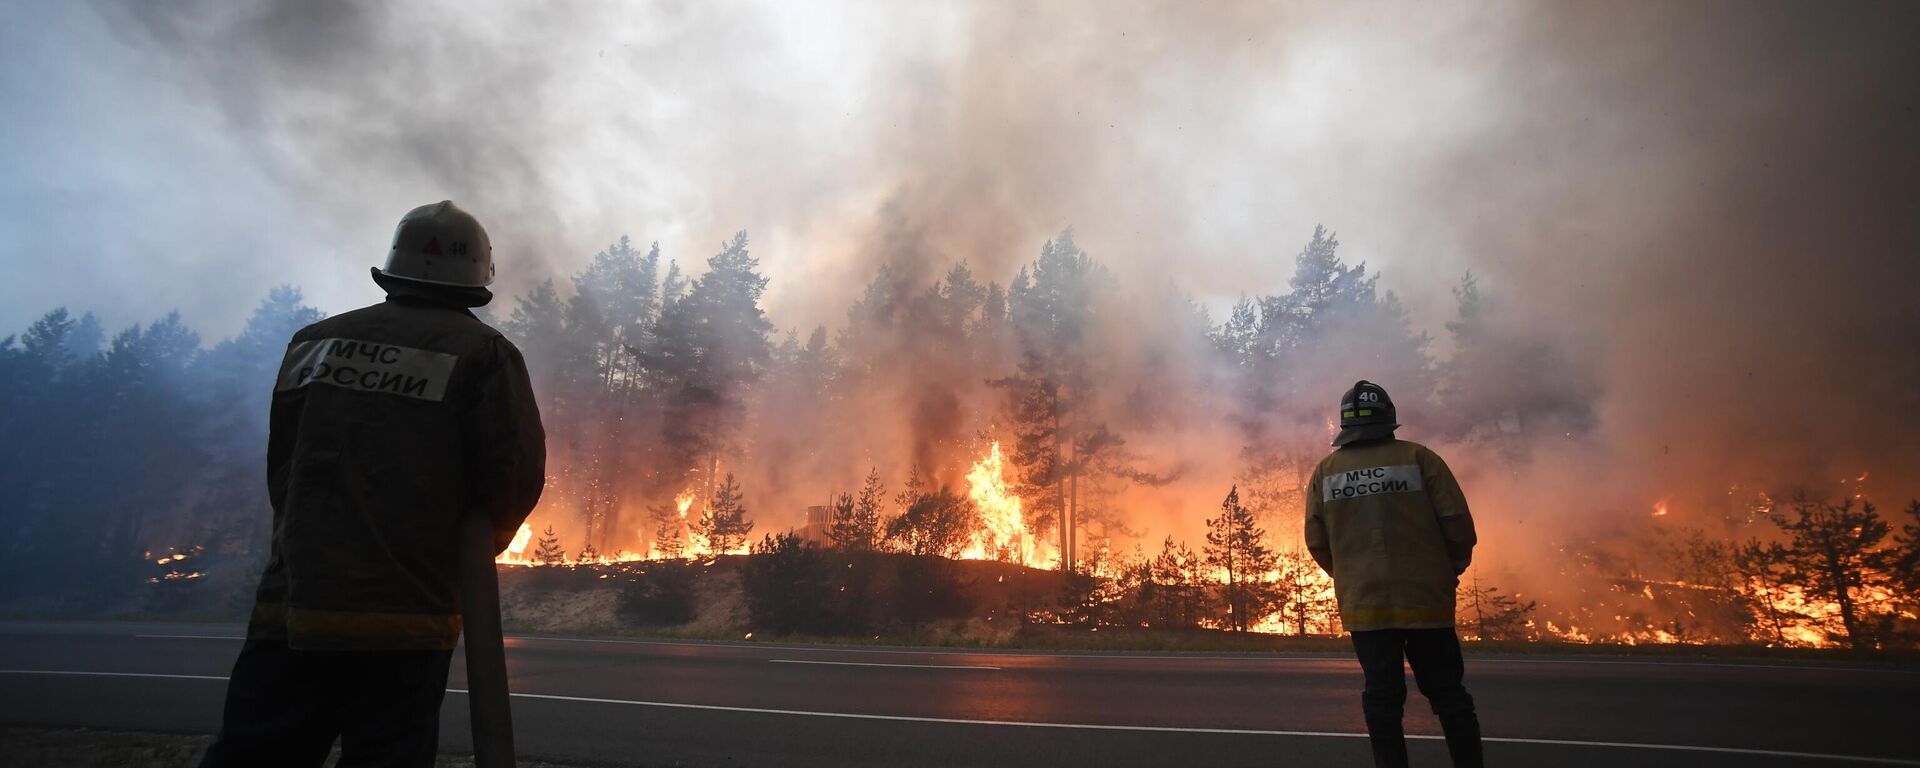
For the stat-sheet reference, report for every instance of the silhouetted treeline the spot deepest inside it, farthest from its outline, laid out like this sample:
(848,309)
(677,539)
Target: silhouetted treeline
(125,450)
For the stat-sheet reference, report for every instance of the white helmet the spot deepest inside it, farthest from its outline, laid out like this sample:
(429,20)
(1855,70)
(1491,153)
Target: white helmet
(442,245)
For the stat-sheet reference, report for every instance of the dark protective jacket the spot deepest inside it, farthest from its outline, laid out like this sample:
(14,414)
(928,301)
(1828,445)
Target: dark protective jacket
(389,423)
(1387,520)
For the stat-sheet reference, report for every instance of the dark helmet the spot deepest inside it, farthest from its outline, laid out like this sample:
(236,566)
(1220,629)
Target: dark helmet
(1366,413)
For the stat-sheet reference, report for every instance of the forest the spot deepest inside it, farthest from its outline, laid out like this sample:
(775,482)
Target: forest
(1067,419)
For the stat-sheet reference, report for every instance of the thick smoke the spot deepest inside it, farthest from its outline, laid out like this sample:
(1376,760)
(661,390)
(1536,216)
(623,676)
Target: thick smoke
(1706,209)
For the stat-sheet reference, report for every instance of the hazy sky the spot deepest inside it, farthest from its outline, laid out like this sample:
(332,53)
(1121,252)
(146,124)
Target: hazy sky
(1721,197)
(192,155)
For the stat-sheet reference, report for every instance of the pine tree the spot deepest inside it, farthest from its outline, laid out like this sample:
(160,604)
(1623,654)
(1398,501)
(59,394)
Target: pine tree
(1239,338)
(938,523)
(83,340)
(1057,438)
(724,523)
(1763,579)
(588,555)
(1237,547)
(1303,593)
(713,346)
(1906,563)
(669,530)
(1834,553)
(547,551)
(1479,394)
(1304,352)
(1177,586)
(912,490)
(856,521)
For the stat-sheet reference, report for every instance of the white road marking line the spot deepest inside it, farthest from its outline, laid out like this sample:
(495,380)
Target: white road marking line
(872,664)
(193,637)
(1329,656)
(1088,726)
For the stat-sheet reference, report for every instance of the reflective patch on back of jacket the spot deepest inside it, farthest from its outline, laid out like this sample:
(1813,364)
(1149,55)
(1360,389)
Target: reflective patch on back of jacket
(367,367)
(1399,478)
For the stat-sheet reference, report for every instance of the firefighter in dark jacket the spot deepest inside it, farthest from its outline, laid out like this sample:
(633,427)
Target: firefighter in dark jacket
(1387,521)
(389,424)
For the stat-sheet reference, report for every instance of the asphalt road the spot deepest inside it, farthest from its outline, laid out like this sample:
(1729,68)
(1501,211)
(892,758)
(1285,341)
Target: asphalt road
(750,704)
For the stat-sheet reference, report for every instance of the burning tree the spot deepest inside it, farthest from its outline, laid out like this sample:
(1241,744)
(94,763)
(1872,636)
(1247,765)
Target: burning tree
(724,525)
(1906,560)
(670,527)
(1903,623)
(1763,579)
(1057,439)
(1494,616)
(1091,592)
(1237,547)
(1303,593)
(1717,600)
(1834,553)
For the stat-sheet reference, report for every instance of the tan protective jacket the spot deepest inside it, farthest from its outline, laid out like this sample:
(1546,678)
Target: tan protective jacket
(390,424)
(1387,521)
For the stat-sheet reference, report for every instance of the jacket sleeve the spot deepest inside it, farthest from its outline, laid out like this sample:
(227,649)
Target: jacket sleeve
(506,448)
(1318,544)
(1450,506)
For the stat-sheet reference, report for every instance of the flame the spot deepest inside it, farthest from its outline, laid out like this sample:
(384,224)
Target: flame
(516,551)
(1660,508)
(1003,535)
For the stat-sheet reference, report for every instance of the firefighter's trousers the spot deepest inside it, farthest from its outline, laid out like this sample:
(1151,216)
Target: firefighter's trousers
(286,708)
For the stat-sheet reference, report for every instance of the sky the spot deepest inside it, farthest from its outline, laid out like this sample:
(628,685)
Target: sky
(1716,199)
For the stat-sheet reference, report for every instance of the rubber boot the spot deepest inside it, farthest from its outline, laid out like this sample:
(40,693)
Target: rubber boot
(1389,743)
(1463,739)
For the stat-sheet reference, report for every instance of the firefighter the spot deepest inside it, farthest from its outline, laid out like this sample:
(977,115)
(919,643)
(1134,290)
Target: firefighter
(389,423)
(1387,521)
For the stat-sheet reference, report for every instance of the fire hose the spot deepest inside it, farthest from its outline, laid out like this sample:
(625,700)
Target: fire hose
(492,714)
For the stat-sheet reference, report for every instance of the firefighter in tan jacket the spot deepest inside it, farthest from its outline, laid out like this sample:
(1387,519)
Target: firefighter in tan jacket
(1387,521)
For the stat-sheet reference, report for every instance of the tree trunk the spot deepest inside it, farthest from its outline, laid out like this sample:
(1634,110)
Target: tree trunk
(1843,594)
